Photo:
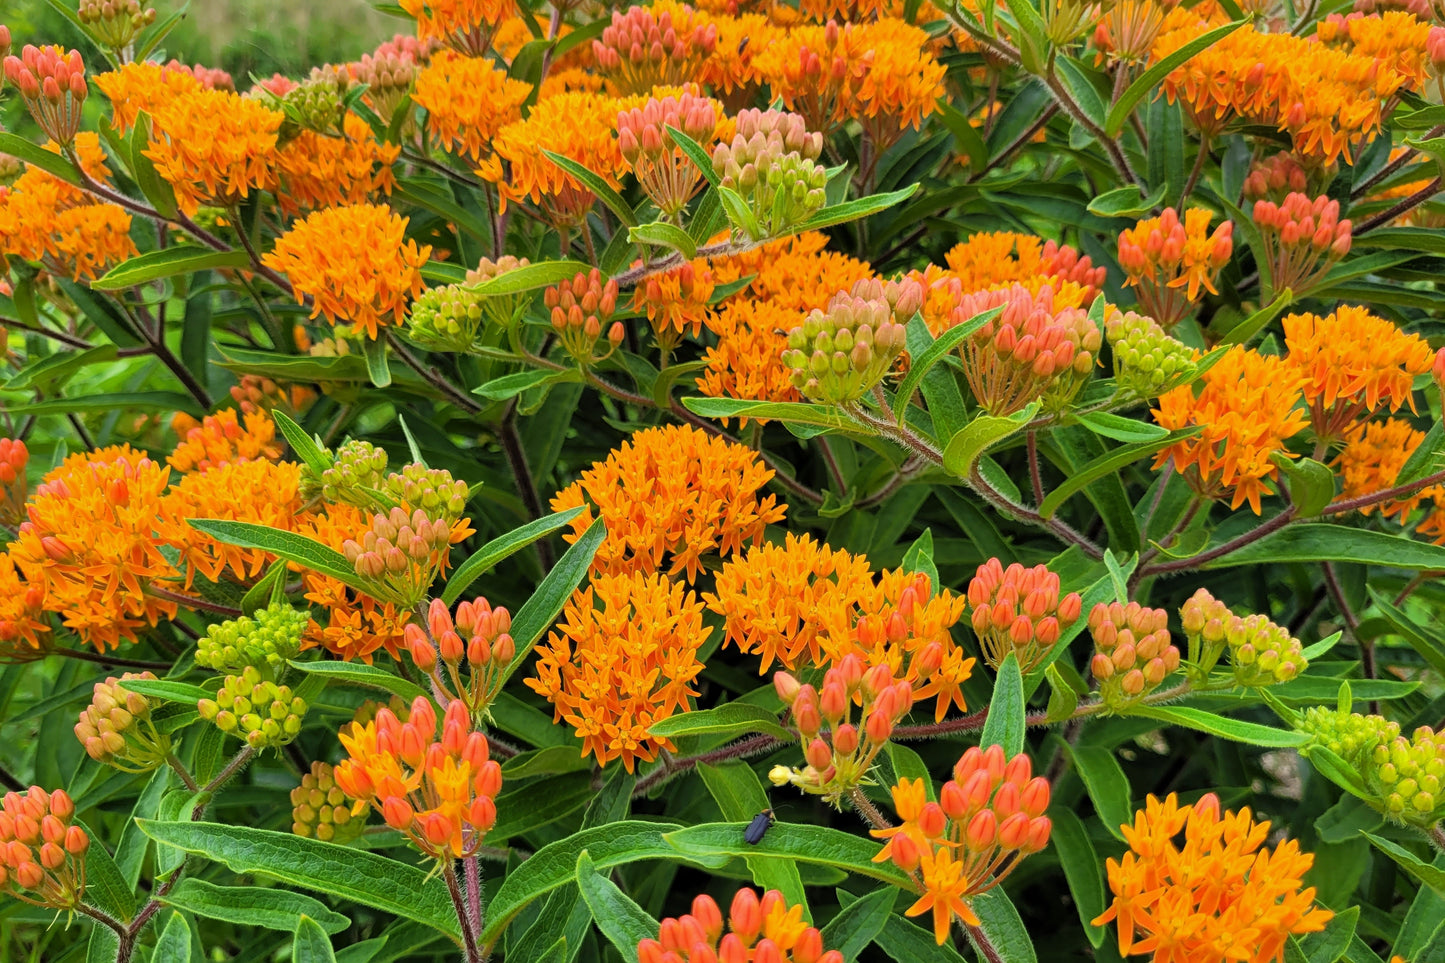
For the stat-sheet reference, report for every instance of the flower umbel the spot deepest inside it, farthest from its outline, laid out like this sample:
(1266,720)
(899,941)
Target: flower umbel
(42,854)
(765,930)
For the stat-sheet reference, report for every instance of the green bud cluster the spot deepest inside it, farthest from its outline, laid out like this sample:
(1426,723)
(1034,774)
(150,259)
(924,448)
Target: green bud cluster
(838,355)
(1261,652)
(357,465)
(320,810)
(1147,362)
(265,642)
(432,490)
(389,76)
(1349,735)
(116,728)
(317,103)
(1408,775)
(256,709)
(772,163)
(114,23)
(500,309)
(445,318)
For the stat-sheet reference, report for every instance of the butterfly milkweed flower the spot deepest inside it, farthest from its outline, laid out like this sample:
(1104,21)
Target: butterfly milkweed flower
(257,491)
(143,86)
(355,263)
(42,852)
(1352,363)
(52,84)
(25,634)
(624,658)
(1019,610)
(1303,238)
(1248,409)
(792,274)
(675,302)
(1132,651)
(993,258)
(987,819)
(94,538)
(639,50)
(316,170)
(1167,260)
(1223,895)
(467,100)
(668,497)
(765,930)
(213,146)
(222,438)
(1370,461)
(439,793)
(747,361)
(479,633)
(352,624)
(467,26)
(667,176)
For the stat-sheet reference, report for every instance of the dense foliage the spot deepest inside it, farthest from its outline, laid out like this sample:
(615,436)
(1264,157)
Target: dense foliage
(752,482)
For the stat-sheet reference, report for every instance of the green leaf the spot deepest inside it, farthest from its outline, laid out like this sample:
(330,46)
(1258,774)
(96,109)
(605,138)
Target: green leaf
(540,610)
(696,153)
(623,922)
(503,547)
(817,845)
(59,367)
(725,721)
(740,795)
(271,908)
(965,135)
(1106,784)
(1430,647)
(36,156)
(919,558)
(859,923)
(1231,729)
(739,214)
(304,551)
(105,887)
(1329,944)
(1313,652)
(311,944)
(1063,698)
(164,263)
(1106,464)
(791,412)
(555,865)
(1145,82)
(1004,928)
(1119,428)
(1338,771)
(1244,331)
(855,209)
(270,588)
(907,942)
(377,370)
(663,234)
(1322,542)
(166,691)
(1004,725)
(1081,868)
(357,673)
(1431,876)
(1126,201)
(1346,819)
(667,377)
(530,277)
(174,945)
(968,445)
(509,386)
(340,871)
(1311,484)
(303,445)
(943,345)
(1424,459)
(597,185)
(112,401)
(151,184)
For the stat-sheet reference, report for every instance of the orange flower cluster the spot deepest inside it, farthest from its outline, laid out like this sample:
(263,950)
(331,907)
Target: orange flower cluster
(14,456)
(44,219)
(479,633)
(1163,254)
(143,86)
(314,170)
(624,657)
(1218,897)
(465,25)
(765,930)
(1371,460)
(258,491)
(639,51)
(356,624)
(1352,362)
(1247,410)
(751,337)
(42,853)
(440,794)
(213,146)
(793,274)
(1303,239)
(667,176)
(355,264)
(1018,610)
(24,635)
(52,84)
(988,817)
(668,497)
(995,258)
(220,439)
(675,301)
(1398,40)
(468,100)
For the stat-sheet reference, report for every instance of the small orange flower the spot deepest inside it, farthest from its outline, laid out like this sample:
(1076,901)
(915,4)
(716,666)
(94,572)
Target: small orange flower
(675,301)
(314,170)
(669,496)
(356,624)
(766,930)
(220,439)
(642,49)
(24,632)
(355,263)
(468,100)
(257,491)
(467,26)
(1003,257)
(1218,897)
(142,86)
(1162,254)
(624,657)
(1371,460)
(747,362)
(42,853)
(1248,408)
(213,146)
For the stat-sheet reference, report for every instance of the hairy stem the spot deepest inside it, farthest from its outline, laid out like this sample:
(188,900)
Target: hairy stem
(459,902)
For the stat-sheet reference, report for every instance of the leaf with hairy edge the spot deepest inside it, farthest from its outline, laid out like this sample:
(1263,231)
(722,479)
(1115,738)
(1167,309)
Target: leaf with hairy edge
(36,156)
(663,234)
(356,673)
(1005,724)
(1082,870)
(855,209)
(1105,782)
(803,843)
(105,887)
(555,865)
(739,215)
(1322,542)
(530,277)
(593,182)
(942,345)
(166,691)
(1231,729)
(696,153)
(274,909)
(166,262)
(1119,428)
(1104,464)
(907,942)
(1003,926)
(311,944)
(1145,82)
(501,548)
(729,720)
(1329,944)
(351,874)
(740,795)
(303,445)
(306,552)
(1431,876)
(794,412)
(1127,201)
(859,923)
(622,921)
(174,945)
(968,445)
(1311,484)
(541,609)
(509,386)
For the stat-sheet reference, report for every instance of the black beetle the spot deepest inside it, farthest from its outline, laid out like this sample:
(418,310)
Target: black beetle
(754,833)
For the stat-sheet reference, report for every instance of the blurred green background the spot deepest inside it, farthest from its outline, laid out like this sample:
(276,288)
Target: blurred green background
(244,37)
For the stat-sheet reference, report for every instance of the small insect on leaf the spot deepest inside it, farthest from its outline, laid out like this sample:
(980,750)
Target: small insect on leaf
(754,833)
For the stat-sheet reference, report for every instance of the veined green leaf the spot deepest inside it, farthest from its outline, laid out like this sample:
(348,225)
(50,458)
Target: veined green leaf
(303,445)
(802,843)
(605,192)
(1005,724)
(357,673)
(540,610)
(663,234)
(729,720)
(271,908)
(1231,729)
(174,944)
(855,209)
(1081,867)
(968,445)
(1431,876)
(36,156)
(622,921)
(1145,82)
(309,553)
(501,548)
(793,412)
(1106,463)
(167,262)
(942,345)
(311,944)
(740,795)
(530,277)
(696,153)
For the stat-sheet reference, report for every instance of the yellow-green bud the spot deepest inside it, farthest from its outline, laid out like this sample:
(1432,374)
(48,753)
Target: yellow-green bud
(320,810)
(266,641)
